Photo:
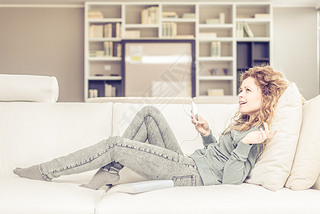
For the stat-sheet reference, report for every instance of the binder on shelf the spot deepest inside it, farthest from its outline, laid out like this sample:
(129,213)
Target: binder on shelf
(107,30)
(108,49)
(216,49)
(118,30)
(119,50)
(169,29)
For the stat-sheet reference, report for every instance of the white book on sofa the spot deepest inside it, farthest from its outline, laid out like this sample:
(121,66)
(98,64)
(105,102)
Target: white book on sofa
(143,186)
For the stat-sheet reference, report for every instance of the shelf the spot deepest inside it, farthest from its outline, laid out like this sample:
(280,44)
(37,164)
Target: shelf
(95,21)
(218,29)
(253,39)
(226,39)
(142,26)
(253,20)
(215,25)
(105,39)
(104,78)
(105,59)
(216,58)
(216,77)
(178,20)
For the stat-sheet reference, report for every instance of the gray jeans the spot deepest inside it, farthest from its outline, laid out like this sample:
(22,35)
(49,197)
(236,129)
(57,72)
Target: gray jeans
(160,158)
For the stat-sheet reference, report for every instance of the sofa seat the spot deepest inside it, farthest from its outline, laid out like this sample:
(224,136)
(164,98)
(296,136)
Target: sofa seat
(37,197)
(244,198)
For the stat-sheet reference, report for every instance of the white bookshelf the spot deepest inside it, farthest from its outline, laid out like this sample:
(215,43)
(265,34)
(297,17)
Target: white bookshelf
(212,25)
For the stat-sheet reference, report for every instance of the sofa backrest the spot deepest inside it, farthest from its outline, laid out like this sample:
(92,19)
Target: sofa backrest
(32,133)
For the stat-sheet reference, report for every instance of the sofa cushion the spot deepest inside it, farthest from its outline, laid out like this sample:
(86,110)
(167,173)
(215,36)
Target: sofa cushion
(243,199)
(28,88)
(306,166)
(273,167)
(19,195)
(32,133)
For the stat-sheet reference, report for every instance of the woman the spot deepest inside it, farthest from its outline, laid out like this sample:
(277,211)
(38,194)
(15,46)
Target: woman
(228,161)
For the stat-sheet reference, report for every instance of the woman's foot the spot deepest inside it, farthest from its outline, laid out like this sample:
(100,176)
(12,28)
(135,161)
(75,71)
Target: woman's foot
(102,178)
(32,172)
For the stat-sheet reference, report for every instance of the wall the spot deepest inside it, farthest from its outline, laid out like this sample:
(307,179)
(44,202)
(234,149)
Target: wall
(295,47)
(45,41)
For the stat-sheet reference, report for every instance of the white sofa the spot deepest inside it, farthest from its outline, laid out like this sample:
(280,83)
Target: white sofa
(34,132)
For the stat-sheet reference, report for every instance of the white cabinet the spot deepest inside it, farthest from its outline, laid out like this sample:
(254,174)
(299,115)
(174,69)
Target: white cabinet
(217,28)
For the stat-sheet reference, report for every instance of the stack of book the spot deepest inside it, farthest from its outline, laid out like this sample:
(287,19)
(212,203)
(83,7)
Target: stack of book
(109,90)
(96,53)
(105,31)
(215,48)
(149,15)
(132,34)
(95,14)
(220,20)
(169,15)
(169,29)
(243,30)
(207,35)
(93,93)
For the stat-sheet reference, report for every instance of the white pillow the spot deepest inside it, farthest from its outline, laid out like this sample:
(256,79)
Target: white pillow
(28,88)
(274,165)
(306,166)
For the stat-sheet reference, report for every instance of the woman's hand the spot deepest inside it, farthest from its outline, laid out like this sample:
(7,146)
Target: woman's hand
(257,137)
(201,126)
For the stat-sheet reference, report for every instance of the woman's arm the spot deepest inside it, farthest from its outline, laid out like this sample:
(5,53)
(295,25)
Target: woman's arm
(245,155)
(202,127)
(240,163)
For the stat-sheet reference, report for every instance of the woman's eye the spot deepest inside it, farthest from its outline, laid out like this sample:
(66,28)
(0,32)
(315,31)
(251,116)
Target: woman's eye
(248,89)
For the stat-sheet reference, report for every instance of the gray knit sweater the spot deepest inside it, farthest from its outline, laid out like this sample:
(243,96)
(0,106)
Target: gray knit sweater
(228,161)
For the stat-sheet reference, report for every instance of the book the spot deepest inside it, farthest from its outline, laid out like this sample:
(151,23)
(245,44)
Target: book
(207,35)
(143,186)
(132,34)
(107,30)
(247,29)
(262,15)
(96,31)
(108,49)
(215,48)
(167,15)
(149,15)
(95,14)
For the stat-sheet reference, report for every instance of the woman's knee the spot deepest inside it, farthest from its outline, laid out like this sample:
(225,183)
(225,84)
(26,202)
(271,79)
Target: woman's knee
(112,141)
(150,110)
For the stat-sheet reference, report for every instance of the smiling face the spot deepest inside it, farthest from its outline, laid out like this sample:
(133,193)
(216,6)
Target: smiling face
(250,97)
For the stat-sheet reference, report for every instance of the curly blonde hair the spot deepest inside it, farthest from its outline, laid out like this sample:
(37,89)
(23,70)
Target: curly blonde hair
(272,85)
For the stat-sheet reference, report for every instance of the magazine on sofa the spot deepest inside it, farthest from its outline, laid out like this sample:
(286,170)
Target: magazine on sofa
(143,186)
